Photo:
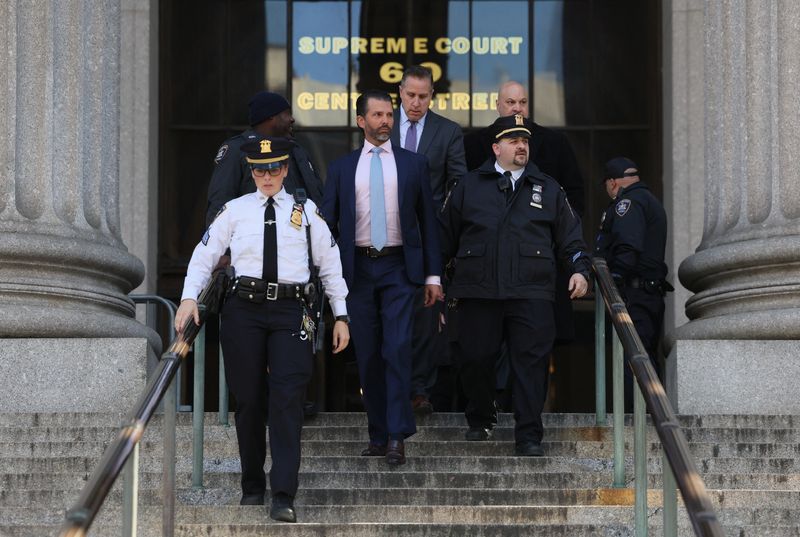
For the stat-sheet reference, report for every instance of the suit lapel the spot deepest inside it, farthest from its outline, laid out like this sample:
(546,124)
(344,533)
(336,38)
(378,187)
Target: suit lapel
(349,184)
(403,165)
(395,137)
(428,133)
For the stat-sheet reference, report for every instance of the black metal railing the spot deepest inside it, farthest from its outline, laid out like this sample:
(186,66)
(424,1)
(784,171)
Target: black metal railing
(79,518)
(676,448)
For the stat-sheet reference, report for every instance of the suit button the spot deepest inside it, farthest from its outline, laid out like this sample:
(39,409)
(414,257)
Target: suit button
(538,252)
(251,296)
(252,284)
(469,251)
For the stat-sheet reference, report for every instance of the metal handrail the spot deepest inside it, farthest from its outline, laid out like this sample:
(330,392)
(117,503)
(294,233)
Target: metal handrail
(79,518)
(677,457)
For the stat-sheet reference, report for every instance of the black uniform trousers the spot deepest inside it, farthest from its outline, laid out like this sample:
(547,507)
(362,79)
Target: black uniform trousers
(528,327)
(647,314)
(265,355)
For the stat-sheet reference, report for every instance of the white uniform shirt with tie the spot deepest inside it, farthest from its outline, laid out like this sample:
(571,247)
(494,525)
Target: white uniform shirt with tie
(240,227)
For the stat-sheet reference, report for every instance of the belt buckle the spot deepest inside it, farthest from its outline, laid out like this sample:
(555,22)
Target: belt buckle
(272,291)
(373,252)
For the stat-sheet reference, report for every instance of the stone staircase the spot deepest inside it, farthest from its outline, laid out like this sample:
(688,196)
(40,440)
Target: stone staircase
(449,487)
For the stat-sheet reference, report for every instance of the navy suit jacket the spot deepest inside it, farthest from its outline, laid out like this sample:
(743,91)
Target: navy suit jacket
(418,223)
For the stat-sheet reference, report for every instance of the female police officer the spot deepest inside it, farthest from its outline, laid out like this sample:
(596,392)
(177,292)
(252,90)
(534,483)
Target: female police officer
(264,331)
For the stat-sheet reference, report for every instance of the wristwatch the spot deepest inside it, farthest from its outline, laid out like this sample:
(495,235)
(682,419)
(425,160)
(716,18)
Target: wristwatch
(344,318)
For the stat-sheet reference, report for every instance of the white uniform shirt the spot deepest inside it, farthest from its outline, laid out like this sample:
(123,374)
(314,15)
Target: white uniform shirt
(240,227)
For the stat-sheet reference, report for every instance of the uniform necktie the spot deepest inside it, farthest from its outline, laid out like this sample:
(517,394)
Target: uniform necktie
(411,137)
(510,189)
(270,256)
(377,205)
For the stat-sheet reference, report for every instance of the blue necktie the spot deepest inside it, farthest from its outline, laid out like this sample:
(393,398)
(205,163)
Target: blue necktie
(377,205)
(411,137)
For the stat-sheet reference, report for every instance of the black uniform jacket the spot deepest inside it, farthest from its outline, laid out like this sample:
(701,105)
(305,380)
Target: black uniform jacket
(231,177)
(505,251)
(550,150)
(633,234)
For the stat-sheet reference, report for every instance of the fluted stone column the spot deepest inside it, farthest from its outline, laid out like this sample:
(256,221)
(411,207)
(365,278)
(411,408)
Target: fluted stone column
(736,353)
(70,339)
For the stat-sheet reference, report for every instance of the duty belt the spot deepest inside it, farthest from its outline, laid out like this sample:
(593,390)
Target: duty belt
(257,290)
(652,286)
(369,251)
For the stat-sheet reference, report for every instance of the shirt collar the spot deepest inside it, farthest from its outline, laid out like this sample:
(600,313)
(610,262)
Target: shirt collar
(405,121)
(516,174)
(280,197)
(386,146)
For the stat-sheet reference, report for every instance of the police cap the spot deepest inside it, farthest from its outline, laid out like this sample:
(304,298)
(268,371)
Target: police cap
(615,168)
(267,153)
(510,127)
(265,105)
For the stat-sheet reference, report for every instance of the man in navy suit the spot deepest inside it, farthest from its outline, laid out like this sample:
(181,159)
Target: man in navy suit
(378,202)
(423,131)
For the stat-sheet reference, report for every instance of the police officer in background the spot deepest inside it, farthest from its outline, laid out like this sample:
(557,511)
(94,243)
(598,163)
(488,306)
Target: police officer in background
(269,114)
(265,331)
(632,239)
(506,225)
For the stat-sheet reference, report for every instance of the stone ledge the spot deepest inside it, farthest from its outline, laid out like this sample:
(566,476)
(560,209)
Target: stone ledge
(734,377)
(72,374)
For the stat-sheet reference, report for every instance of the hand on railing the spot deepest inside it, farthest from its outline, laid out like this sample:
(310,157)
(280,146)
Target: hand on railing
(578,285)
(187,310)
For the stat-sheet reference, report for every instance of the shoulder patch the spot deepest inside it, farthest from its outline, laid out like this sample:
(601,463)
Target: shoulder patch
(206,236)
(622,207)
(223,151)
(221,210)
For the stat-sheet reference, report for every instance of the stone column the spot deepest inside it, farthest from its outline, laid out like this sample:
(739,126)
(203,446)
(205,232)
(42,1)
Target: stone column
(71,342)
(734,355)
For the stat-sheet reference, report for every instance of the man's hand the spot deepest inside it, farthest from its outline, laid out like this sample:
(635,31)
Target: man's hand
(577,286)
(341,336)
(188,308)
(433,293)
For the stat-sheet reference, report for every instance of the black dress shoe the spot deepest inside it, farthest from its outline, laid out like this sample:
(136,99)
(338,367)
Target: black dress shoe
(529,449)
(478,434)
(282,508)
(374,450)
(252,499)
(396,453)
(421,405)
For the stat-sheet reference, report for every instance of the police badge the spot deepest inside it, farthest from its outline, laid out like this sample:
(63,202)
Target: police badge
(297,216)
(536,196)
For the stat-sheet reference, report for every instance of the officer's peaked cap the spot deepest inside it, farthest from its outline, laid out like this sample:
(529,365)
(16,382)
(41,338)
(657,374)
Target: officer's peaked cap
(510,127)
(268,152)
(615,168)
(265,105)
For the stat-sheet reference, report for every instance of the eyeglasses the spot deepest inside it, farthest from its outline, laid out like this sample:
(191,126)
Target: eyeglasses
(261,172)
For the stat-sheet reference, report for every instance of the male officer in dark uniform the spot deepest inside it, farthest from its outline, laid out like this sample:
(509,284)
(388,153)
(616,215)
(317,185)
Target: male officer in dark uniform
(266,329)
(506,225)
(632,239)
(269,115)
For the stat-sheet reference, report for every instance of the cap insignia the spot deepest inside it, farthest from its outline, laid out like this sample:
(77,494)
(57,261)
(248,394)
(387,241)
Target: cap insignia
(266,146)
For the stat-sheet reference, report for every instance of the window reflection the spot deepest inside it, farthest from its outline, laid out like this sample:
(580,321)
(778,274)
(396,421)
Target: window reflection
(499,53)
(548,63)
(319,63)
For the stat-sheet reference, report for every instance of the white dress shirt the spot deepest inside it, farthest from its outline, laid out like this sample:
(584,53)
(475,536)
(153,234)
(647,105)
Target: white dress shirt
(394,236)
(515,174)
(405,123)
(240,227)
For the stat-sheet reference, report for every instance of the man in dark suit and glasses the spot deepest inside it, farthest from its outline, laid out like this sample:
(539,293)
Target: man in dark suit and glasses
(423,131)
(378,200)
